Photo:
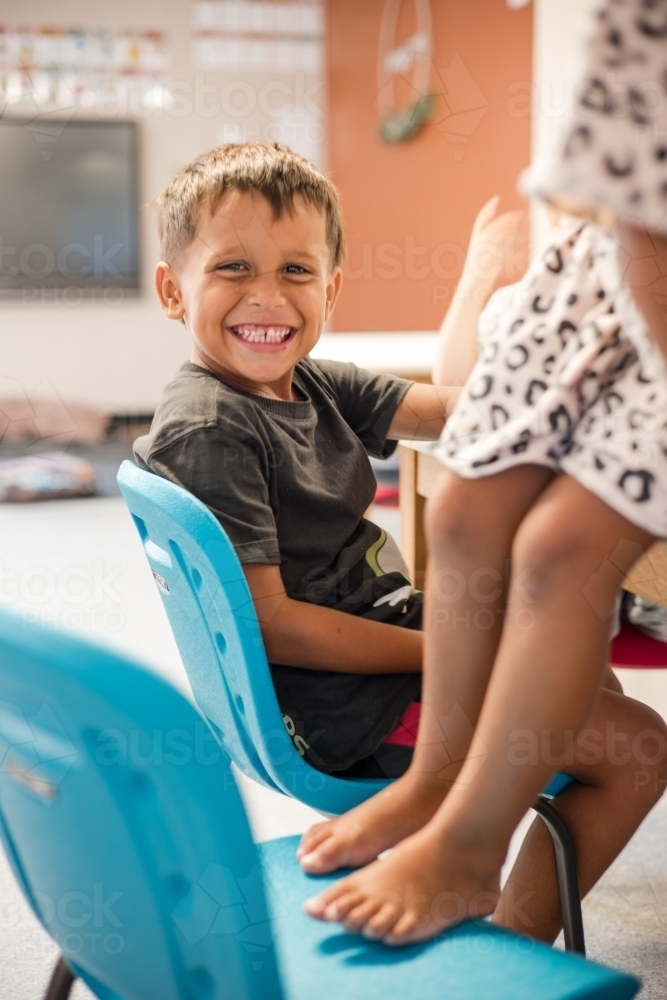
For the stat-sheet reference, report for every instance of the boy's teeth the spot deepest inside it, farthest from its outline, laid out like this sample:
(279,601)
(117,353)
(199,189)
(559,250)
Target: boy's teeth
(267,334)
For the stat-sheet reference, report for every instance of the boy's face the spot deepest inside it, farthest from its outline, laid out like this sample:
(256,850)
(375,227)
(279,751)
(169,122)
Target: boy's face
(254,291)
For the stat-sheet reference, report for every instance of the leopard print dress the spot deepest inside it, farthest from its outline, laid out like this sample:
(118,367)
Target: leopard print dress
(568,378)
(613,152)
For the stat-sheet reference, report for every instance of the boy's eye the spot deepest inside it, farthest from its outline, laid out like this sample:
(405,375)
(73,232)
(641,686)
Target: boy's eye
(295,269)
(232,267)
(238,267)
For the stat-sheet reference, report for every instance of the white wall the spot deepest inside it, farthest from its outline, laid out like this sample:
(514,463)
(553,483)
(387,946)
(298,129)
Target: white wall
(118,357)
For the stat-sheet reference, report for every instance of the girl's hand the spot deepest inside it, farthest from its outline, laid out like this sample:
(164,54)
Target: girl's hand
(497,252)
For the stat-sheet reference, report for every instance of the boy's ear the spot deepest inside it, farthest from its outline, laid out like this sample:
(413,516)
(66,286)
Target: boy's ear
(334,285)
(168,291)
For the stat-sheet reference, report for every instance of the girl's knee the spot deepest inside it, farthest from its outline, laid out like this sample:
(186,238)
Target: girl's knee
(648,734)
(472,516)
(634,739)
(452,516)
(551,551)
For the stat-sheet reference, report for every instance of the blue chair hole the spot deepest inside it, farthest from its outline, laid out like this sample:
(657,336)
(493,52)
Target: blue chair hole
(221,642)
(178,555)
(157,553)
(239,704)
(141,527)
(196,578)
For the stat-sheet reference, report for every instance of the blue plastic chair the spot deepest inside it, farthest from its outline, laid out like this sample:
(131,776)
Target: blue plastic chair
(126,832)
(210,609)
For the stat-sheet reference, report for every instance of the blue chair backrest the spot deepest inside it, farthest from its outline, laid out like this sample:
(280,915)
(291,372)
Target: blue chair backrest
(210,608)
(124,827)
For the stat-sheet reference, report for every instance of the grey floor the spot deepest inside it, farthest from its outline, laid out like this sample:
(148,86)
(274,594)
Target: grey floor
(78,565)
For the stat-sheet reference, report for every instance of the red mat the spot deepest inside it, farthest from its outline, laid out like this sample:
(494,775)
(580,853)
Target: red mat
(387,496)
(632,648)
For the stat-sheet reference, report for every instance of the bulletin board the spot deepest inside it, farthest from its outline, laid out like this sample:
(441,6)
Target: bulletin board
(256,36)
(60,67)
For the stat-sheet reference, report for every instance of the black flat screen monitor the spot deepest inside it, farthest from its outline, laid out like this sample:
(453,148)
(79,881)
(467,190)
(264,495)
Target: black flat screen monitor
(68,205)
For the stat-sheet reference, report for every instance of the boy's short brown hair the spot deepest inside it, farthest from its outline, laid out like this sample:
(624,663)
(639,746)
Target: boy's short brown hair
(266,168)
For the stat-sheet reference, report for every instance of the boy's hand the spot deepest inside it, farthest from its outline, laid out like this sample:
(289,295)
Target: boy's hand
(497,252)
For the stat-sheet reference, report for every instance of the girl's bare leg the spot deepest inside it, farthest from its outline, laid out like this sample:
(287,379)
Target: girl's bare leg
(569,558)
(620,762)
(463,616)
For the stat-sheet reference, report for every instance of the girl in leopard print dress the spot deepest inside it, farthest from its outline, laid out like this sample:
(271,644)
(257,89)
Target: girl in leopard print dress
(554,482)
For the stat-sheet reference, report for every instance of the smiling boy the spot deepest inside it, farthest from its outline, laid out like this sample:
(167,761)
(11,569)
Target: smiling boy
(276,444)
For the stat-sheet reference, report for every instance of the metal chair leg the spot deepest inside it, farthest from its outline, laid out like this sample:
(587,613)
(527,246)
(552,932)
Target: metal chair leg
(61,982)
(568,879)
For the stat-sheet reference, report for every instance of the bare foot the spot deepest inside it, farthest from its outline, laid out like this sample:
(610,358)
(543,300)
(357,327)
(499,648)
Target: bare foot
(427,884)
(360,835)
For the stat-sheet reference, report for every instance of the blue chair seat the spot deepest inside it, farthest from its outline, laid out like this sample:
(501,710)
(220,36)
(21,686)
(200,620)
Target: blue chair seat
(474,961)
(126,832)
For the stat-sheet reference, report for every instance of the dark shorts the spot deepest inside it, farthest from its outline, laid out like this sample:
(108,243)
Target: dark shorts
(339,721)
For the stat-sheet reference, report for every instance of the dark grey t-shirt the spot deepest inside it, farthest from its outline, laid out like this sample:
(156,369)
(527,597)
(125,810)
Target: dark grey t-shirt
(290,482)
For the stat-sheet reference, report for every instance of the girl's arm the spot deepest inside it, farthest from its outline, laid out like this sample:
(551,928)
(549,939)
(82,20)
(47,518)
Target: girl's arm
(647,255)
(497,254)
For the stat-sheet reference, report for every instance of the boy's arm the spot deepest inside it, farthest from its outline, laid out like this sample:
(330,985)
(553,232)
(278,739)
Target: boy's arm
(423,412)
(299,634)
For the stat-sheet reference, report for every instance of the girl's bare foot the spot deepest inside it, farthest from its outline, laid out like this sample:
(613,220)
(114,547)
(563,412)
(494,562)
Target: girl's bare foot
(428,883)
(360,835)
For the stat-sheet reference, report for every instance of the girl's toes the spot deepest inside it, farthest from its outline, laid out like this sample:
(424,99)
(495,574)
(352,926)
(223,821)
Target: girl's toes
(316,905)
(359,915)
(312,839)
(338,909)
(379,925)
(311,861)
(402,930)
(321,859)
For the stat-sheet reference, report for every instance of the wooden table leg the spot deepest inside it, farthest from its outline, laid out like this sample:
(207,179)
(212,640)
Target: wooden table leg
(648,576)
(413,542)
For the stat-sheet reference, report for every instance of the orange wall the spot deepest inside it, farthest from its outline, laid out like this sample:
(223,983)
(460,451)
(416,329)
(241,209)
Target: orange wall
(408,208)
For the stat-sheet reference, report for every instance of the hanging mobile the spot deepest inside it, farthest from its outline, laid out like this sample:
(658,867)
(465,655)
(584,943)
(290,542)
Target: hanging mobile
(399,125)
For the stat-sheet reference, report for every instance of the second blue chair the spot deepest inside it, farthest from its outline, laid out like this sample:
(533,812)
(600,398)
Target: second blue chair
(128,837)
